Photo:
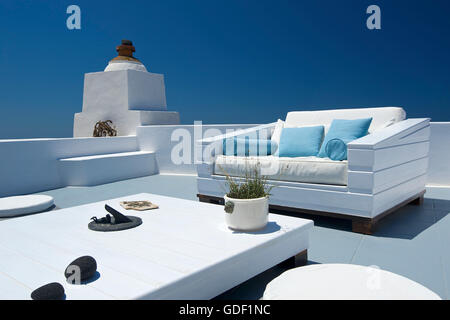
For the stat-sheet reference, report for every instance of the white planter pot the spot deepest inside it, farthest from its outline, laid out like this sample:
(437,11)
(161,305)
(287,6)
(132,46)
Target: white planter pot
(246,214)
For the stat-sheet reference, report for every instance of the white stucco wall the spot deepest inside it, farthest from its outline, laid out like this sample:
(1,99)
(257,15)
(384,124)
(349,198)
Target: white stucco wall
(31,165)
(117,65)
(124,90)
(128,98)
(439,165)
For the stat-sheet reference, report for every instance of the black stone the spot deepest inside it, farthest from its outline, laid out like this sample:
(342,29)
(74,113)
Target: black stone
(50,291)
(87,265)
(127,42)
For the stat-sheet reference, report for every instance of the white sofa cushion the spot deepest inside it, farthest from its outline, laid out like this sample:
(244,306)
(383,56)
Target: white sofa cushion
(300,169)
(381,117)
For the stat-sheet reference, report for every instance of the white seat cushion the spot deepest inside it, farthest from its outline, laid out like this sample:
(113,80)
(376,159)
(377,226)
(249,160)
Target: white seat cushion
(300,169)
(344,282)
(21,205)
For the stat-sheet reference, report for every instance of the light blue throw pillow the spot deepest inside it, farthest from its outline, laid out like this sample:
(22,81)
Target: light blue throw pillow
(346,130)
(247,147)
(336,149)
(300,142)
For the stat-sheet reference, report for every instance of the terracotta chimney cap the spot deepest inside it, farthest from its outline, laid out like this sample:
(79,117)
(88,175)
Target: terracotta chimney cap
(125,51)
(125,59)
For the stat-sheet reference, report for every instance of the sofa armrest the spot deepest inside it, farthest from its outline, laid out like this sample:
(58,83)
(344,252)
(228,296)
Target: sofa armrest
(396,134)
(209,147)
(389,157)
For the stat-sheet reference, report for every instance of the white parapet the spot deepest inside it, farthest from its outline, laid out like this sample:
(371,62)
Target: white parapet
(31,165)
(105,168)
(128,98)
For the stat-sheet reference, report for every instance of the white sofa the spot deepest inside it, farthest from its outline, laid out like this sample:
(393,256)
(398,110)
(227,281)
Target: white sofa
(385,169)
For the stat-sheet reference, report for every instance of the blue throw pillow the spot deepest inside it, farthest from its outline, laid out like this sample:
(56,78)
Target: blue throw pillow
(336,149)
(300,142)
(247,147)
(346,130)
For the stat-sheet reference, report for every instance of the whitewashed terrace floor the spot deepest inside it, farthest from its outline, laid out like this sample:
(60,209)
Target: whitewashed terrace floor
(412,242)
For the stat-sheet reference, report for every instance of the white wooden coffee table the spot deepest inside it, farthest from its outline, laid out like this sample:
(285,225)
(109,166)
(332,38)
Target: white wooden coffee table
(344,282)
(181,251)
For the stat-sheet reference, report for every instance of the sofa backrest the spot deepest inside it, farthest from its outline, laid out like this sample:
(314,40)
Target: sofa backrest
(381,117)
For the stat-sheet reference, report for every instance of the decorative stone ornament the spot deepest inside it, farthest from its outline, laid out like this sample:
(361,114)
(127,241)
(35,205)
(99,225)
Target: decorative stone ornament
(86,265)
(104,129)
(114,222)
(50,291)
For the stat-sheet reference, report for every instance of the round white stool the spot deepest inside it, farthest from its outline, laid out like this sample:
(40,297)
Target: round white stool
(22,205)
(344,282)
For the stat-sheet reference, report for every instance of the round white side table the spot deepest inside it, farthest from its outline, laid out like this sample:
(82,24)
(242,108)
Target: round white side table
(344,282)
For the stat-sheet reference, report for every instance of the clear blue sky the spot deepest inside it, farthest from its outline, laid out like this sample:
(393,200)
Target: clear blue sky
(232,61)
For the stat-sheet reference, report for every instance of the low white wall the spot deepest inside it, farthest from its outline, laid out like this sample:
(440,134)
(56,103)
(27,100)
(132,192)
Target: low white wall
(31,165)
(167,142)
(439,165)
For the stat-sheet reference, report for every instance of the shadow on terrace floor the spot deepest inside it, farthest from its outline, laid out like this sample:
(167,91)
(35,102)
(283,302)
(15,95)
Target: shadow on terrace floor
(410,221)
(405,223)
(254,287)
